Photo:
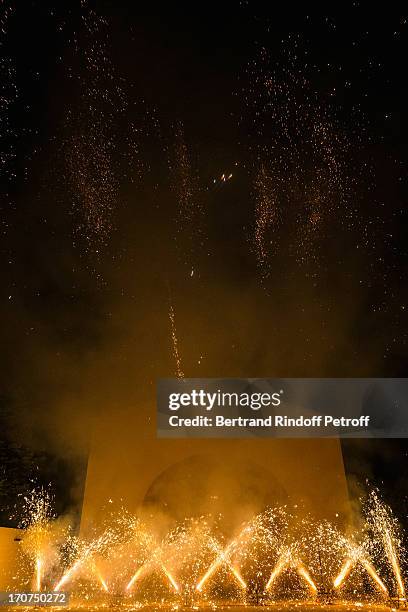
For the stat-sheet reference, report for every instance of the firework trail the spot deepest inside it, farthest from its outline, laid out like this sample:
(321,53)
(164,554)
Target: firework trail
(174,339)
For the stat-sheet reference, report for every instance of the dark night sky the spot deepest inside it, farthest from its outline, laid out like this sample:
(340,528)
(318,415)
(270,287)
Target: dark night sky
(117,125)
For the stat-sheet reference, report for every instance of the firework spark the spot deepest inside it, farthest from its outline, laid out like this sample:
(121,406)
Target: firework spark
(68,575)
(154,562)
(87,552)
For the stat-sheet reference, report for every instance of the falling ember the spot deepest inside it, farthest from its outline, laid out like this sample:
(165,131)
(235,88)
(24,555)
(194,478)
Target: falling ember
(343,573)
(190,236)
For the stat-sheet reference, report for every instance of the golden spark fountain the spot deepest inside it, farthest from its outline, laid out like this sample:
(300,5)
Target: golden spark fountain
(170,577)
(281,564)
(151,564)
(393,559)
(40,536)
(359,557)
(386,528)
(99,576)
(288,559)
(302,571)
(222,559)
(135,577)
(377,580)
(38,567)
(188,545)
(344,572)
(68,575)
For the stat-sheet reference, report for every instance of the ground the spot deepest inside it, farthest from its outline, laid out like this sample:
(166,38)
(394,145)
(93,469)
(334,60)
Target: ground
(277,607)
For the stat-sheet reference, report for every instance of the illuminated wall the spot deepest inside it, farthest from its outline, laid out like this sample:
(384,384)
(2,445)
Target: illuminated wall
(10,558)
(185,476)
